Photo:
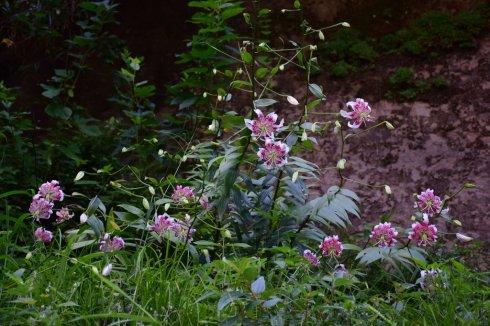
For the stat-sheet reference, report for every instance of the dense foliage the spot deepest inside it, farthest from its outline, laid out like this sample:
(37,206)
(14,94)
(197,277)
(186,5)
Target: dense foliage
(211,214)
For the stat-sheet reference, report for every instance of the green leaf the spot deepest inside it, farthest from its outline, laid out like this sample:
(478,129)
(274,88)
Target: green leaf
(264,102)
(56,110)
(50,92)
(131,209)
(231,12)
(246,57)
(271,302)
(313,104)
(316,90)
(96,225)
(258,286)
(261,72)
(231,121)
(227,298)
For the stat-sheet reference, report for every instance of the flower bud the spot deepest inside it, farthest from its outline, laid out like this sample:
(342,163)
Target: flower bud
(151,190)
(160,152)
(463,237)
(469,185)
(215,71)
(388,190)
(107,269)
(205,94)
(292,100)
(389,125)
(283,11)
(304,136)
(457,222)
(166,207)
(345,24)
(239,71)
(28,255)
(337,123)
(95,270)
(341,164)
(227,234)
(124,150)
(321,36)
(281,67)
(295,176)
(146,204)
(205,252)
(83,218)
(220,98)
(212,127)
(312,47)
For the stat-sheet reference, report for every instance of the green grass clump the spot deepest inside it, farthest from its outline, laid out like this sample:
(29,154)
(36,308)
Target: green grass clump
(346,51)
(437,31)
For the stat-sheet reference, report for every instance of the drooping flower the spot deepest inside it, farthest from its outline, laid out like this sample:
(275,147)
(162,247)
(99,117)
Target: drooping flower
(183,195)
(384,235)
(340,271)
(204,202)
(311,257)
(163,223)
(429,203)
(83,218)
(428,279)
(423,233)
(331,246)
(107,244)
(274,154)
(41,234)
(107,269)
(360,113)
(63,215)
(264,126)
(41,208)
(51,191)
(181,229)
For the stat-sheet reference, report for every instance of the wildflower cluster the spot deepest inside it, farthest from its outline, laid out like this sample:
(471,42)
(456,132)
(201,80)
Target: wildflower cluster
(274,154)
(41,208)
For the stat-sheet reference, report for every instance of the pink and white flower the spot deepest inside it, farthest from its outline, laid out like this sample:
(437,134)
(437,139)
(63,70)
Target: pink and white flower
(274,154)
(331,246)
(63,215)
(360,113)
(384,235)
(51,191)
(204,202)
(183,195)
(264,126)
(311,257)
(429,203)
(180,229)
(41,208)
(423,233)
(107,244)
(163,223)
(41,234)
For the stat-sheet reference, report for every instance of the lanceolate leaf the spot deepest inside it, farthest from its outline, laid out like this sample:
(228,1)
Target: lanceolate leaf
(227,298)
